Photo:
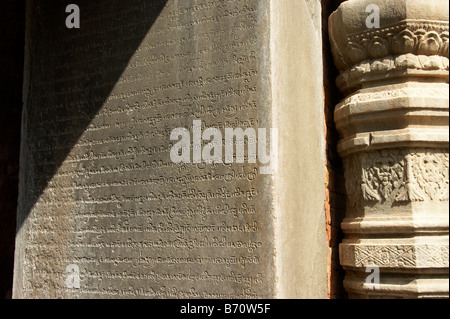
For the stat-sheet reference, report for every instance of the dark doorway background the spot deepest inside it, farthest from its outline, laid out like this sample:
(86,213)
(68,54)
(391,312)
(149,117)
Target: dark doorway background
(12,37)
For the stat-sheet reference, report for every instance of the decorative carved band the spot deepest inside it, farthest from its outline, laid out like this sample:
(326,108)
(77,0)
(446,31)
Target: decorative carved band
(397,175)
(430,92)
(409,64)
(395,255)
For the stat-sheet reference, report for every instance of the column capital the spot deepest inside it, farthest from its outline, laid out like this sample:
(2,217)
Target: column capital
(410,41)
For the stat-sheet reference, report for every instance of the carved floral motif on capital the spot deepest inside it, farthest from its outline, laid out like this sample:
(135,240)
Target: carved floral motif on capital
(430,38)
(397,176)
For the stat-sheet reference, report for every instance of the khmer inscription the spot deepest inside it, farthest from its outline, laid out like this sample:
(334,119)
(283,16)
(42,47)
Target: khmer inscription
(106,196)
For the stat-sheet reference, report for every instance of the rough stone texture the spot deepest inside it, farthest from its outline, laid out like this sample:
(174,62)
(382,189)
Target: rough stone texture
(394,143)
(97,187)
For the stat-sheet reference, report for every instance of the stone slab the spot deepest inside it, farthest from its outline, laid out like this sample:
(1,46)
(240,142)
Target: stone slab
(99,194)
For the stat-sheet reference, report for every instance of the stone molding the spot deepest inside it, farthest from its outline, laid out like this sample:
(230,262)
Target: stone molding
(394,66)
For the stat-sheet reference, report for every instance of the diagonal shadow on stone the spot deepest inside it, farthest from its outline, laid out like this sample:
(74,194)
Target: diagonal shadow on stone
(69,75)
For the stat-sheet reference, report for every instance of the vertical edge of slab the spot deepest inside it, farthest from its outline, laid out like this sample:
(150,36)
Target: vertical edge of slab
(297,77)
(20,246)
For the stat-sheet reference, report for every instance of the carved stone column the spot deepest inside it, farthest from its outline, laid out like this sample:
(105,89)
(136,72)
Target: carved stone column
(393,125)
